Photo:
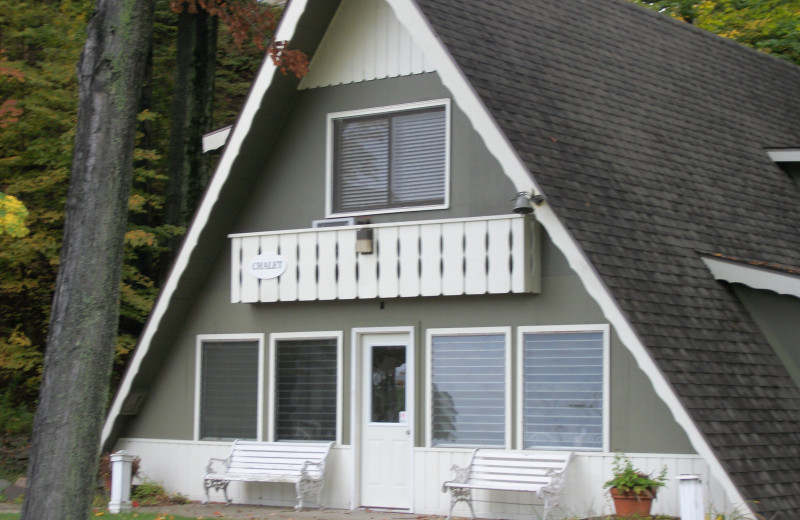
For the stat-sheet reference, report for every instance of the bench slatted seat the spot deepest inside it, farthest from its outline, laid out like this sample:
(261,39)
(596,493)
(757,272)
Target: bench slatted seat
(298,463)
(510,470)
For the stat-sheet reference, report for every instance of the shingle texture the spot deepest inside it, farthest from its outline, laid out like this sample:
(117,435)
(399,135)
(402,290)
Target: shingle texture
(647,136)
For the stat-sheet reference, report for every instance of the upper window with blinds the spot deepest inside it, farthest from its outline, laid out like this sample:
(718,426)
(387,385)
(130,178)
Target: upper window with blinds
(391,159)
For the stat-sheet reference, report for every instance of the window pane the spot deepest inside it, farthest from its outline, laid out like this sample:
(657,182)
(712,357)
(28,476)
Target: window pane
(418,157)
(306,390)
(362,163)
(469,390)
(563,390)
(229,390)
(388,384)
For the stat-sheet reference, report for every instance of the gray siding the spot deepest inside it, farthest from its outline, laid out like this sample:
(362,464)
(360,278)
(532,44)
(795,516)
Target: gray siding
(777,316)
(289,193)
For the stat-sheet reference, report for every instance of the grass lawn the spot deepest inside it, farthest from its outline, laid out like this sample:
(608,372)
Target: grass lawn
(121,516)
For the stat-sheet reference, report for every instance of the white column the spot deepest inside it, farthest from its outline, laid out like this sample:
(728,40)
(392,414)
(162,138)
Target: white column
(690,495)
(121,468)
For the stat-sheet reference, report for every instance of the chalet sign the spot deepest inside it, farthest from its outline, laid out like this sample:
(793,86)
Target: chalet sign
(267,265)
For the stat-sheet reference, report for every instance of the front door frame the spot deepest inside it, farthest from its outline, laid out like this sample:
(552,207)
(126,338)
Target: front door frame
(356,357)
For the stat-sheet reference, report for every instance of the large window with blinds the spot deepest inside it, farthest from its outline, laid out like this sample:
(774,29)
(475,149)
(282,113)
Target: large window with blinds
(563,381)
(228,397)
(469,387)
(389,160)
(306,388)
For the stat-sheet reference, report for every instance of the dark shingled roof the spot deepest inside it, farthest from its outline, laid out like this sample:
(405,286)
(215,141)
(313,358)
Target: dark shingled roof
(647,136)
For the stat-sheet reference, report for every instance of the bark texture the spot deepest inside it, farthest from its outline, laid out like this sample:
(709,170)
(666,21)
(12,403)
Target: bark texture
(191,114)
(83,324)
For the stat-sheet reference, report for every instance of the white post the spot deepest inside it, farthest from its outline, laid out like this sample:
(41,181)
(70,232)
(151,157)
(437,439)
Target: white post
(121,468)
(690,496)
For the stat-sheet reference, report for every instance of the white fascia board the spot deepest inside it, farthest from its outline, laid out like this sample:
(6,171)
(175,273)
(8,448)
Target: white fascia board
(216,139)
(780,155)
(284,31)
(754,276)
(515,169)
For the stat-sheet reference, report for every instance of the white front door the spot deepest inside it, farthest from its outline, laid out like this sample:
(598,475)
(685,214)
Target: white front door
(387,397)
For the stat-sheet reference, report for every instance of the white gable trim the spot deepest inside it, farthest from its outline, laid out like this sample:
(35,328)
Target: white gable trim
(779,155)
(284,31)
(754,276)
(497,143)
(216,139)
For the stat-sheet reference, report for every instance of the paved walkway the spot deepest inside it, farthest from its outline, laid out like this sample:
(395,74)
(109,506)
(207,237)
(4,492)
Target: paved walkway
(237,511)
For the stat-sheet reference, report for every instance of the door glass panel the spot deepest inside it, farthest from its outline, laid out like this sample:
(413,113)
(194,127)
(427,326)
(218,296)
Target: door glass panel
(388,384)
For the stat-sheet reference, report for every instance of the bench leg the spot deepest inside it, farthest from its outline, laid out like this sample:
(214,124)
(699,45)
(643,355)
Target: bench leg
(217,485)
(460,495)
(307,487)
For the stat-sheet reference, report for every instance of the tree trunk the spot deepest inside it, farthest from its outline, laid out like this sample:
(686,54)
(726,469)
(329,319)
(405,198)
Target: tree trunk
(191,114)
(84,317)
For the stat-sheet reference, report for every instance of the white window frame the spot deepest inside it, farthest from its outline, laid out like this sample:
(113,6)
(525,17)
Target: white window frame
(329,153)
(509,384)
(228,338)
(273,379)
(605,329)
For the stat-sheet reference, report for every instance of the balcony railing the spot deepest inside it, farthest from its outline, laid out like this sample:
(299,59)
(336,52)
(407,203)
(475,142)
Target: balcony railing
(487,255)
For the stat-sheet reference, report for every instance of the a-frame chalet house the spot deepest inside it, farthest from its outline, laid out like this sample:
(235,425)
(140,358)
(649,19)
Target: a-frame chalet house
(361,269)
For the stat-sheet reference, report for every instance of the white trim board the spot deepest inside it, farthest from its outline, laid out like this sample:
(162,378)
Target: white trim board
(780,155)
(753,276)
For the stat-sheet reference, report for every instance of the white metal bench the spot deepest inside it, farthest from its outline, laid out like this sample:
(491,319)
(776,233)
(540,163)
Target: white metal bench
(298,463)
(510,470)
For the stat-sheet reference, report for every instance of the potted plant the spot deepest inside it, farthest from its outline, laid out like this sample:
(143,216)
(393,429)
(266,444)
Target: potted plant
(633,490)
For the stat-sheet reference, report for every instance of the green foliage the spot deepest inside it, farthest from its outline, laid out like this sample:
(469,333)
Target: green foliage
(150,493)
(12,216)
(628,479)
(769,26)
(40,44)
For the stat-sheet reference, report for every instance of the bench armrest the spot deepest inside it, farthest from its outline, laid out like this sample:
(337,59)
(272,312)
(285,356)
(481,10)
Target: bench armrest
(460,476)
(310,465)
(212,460)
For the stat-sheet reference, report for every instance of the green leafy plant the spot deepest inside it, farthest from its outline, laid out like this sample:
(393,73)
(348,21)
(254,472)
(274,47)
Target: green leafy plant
(150,493)
(629,480)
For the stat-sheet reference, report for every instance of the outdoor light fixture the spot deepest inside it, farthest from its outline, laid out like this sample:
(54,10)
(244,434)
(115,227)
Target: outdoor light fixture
(364,241)
(522,203)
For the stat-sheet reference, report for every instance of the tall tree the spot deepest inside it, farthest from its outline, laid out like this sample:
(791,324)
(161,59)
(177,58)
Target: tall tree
(84,315)
(191,113)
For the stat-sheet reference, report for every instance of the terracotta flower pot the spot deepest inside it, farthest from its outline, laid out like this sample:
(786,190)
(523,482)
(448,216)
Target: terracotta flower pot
(629,504)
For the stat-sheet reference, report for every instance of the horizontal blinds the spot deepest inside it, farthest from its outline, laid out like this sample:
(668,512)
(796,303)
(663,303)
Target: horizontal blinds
(229,390)
(362,163)
(469,397)
(418,157)
(563,390)
(392,159)
(306,389)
